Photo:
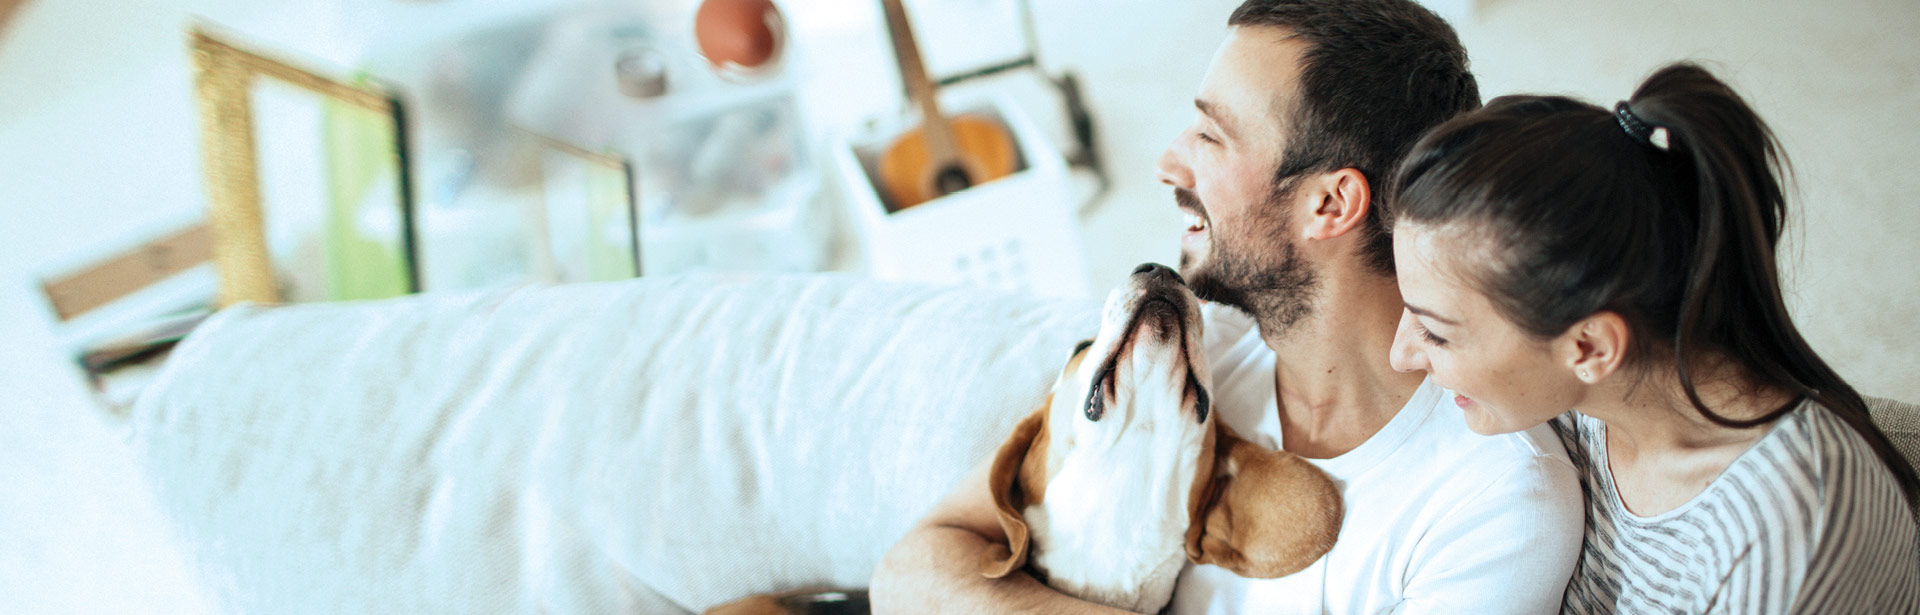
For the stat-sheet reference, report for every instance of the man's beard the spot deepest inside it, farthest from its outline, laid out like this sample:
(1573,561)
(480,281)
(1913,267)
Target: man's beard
(1277,294)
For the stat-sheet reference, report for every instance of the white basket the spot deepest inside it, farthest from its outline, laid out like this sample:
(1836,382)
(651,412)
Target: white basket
(1017,233)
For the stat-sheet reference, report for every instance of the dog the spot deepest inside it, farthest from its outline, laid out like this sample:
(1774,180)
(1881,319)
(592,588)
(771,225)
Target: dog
(1125,474)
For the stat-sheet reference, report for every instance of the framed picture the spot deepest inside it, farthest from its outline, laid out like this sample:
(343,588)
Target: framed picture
(307,179)
(588,228)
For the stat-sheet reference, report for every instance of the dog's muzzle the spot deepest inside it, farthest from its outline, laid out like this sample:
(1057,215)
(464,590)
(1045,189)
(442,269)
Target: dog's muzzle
(1162,305)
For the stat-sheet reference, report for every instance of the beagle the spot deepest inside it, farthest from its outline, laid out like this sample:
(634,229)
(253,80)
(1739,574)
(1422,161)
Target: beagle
(1125,475)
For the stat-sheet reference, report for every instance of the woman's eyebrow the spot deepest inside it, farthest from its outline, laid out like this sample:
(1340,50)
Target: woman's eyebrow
(1429,314)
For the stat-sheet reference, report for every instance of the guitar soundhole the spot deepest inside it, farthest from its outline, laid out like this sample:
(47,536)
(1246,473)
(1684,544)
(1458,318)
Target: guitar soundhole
(951,180)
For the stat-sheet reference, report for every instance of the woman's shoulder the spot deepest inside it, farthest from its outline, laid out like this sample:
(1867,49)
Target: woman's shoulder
(1842,470)
(1816,481)
(1862,533)
(1820,442)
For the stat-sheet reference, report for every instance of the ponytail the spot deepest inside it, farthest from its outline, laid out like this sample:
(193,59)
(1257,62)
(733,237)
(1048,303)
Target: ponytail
(1738,166)
(1667,211)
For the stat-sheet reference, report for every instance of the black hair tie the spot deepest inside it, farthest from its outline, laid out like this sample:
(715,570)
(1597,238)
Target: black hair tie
(1656,136)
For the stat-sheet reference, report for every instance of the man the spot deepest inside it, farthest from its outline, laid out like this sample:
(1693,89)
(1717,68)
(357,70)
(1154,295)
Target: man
(1306,108)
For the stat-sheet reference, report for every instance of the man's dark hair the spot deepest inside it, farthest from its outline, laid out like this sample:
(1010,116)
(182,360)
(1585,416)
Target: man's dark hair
(1376,75)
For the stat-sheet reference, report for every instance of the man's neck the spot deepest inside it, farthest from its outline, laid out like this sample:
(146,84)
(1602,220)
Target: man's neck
(1333,385)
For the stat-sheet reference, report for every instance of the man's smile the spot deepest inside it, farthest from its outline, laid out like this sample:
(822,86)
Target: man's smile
(1194,215)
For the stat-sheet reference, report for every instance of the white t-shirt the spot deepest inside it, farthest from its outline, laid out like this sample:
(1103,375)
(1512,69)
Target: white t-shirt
(1439,519)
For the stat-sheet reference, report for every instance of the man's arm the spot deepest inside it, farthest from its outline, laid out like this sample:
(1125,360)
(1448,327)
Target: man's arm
(935,568)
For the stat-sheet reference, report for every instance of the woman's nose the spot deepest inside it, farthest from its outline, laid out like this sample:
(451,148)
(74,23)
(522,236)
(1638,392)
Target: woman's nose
(1408,353)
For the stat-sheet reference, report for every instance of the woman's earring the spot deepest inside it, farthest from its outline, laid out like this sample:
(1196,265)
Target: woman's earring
(1584,375)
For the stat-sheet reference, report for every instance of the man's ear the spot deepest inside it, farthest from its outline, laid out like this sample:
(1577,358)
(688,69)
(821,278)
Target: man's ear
(1018,480)
(1596,346)
(1342,201)
(1261,514)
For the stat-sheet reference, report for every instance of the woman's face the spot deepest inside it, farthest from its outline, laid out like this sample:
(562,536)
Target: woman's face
(1504,379)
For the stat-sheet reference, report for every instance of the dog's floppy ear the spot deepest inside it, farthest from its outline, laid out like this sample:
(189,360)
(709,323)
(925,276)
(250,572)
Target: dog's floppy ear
(1259,513)
(1018,480)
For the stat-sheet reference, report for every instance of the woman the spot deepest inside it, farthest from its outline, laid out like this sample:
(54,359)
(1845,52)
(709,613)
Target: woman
(1556,255)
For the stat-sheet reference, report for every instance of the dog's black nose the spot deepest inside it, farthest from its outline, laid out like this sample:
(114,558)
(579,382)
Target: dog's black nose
(1158,269)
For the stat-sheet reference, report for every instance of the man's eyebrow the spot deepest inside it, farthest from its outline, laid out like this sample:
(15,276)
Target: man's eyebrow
(1429,314)
(1215,113)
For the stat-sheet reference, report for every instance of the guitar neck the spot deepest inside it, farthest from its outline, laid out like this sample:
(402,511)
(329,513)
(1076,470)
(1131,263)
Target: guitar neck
(913,74)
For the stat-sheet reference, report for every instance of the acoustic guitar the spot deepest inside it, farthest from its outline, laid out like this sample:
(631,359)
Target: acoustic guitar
(943,154)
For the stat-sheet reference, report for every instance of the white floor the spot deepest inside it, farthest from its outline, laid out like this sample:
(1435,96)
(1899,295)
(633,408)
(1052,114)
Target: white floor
(1838,80)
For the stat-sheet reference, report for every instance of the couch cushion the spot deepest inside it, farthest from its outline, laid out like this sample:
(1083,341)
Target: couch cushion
(649,446)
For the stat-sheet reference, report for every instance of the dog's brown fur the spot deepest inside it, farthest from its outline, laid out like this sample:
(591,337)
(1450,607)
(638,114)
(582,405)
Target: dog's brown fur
(1265,513)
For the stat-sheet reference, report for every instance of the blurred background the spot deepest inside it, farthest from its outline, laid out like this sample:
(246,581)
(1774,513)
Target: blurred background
(558,140)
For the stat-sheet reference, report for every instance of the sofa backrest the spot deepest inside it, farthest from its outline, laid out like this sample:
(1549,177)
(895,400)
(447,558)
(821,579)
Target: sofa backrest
(658,445)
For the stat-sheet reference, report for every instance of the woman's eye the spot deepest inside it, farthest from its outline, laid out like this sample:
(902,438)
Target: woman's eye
(1430,337)
(1207,138)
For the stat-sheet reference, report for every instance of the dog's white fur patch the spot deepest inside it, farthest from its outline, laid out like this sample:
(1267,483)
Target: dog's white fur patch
(1112,525)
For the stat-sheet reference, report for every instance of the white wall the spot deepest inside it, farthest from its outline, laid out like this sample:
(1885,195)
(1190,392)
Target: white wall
(97,141)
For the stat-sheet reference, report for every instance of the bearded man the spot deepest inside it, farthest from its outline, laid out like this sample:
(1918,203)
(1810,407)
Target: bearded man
(1306,108)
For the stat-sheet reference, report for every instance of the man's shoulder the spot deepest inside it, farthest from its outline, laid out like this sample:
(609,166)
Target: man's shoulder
(1531,460)
(1446,430)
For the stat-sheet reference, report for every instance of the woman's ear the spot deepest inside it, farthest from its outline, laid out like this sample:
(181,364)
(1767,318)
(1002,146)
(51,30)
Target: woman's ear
(1596,346)
(1342,202)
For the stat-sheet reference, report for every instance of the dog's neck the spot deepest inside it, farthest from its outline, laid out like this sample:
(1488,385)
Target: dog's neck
(1075,529)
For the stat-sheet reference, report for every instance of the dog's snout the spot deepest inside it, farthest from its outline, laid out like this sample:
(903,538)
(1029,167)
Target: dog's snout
(1158,269)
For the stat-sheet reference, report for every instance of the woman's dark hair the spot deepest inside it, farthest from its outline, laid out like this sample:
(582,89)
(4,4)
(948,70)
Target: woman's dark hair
(1575,214)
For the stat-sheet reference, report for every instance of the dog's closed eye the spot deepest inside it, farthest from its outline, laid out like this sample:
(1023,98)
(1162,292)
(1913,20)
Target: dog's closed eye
(1201,402)
(1096,402)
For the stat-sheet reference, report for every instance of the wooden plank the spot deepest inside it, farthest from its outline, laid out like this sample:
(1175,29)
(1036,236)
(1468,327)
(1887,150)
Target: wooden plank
(97,285)
(8,9)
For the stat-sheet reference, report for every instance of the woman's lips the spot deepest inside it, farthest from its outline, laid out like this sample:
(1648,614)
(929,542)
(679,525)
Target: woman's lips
(1462,401)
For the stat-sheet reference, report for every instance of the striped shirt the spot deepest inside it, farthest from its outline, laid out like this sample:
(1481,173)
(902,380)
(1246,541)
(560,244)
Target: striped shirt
(1808,520)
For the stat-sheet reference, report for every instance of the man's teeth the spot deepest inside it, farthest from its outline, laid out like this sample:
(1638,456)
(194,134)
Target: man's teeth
(1195,223)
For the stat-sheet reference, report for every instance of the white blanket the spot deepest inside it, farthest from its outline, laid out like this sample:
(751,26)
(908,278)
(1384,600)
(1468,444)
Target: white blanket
(647,446)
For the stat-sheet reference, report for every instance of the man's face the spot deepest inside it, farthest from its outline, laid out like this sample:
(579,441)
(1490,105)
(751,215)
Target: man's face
(1238,249)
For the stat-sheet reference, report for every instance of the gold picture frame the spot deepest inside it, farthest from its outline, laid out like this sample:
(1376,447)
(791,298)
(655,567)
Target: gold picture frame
(574,236)
(224,77)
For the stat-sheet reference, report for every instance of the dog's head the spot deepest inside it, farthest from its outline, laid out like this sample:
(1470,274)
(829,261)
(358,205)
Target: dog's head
(1132,409)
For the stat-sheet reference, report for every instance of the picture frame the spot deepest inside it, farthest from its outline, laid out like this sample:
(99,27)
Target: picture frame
(588,223)
(361,242)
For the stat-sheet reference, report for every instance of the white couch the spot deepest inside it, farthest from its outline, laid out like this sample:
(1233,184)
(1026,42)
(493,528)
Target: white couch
(652,446)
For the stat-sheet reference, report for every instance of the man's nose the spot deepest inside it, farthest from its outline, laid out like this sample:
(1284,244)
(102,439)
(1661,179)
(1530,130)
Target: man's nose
(1171,168)
(1407,353)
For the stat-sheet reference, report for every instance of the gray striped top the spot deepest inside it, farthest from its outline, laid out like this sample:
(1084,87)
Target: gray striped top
(1806,521)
